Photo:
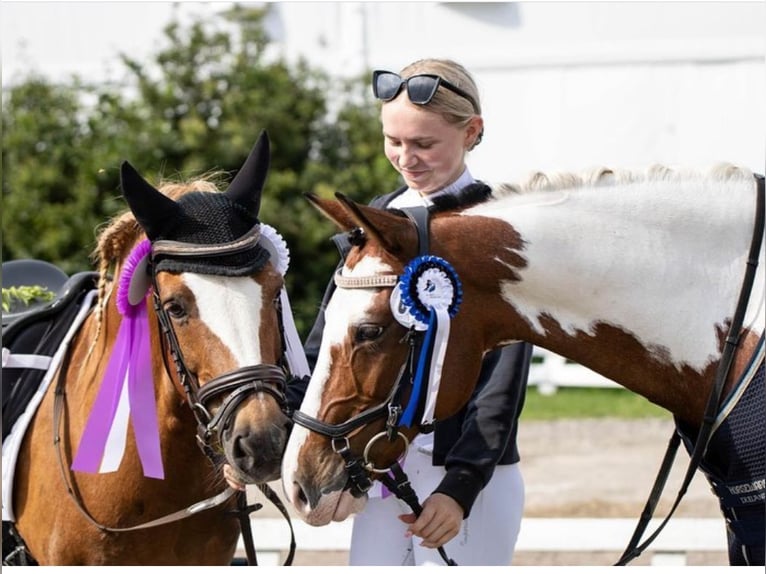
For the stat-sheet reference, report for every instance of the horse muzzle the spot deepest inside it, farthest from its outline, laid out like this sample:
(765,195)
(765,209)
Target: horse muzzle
(250,426)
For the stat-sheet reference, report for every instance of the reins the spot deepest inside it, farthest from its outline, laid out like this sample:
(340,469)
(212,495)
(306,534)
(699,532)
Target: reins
(635,548)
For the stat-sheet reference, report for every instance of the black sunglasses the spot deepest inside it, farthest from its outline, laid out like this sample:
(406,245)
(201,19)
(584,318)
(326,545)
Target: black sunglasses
(420,88)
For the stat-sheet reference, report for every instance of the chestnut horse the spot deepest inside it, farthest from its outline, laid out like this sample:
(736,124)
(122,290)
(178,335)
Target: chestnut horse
(634,275)
(196,287)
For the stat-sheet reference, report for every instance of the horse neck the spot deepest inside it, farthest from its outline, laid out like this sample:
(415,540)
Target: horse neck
(654,269)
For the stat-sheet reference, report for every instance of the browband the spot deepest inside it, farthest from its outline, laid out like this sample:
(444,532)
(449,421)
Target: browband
(178,249)
(367,282)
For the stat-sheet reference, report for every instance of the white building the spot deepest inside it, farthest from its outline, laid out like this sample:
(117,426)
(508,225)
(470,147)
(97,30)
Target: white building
(568,85)
(565,85)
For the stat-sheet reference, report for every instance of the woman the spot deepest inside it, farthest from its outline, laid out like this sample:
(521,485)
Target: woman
(469,467)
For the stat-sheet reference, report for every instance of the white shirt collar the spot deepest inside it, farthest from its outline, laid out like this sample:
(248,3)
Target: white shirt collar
(411,197)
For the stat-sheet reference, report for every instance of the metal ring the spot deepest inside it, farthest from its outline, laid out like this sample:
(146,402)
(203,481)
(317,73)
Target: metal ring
(367,464)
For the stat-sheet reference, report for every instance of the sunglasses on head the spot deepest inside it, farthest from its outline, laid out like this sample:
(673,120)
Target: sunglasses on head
(420,88)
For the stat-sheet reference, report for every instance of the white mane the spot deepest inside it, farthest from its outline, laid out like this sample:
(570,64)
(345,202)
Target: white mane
(605,176)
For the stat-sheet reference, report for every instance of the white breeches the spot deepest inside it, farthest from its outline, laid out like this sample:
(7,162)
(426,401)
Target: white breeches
(486,538)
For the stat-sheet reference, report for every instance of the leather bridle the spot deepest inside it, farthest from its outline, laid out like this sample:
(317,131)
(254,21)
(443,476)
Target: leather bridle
(239,384)
(390,409)
(359,468)
(235,386)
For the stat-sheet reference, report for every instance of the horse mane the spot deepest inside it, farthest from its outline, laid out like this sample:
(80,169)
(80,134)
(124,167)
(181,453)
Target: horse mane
(119,235)
(470,195)
(604,176)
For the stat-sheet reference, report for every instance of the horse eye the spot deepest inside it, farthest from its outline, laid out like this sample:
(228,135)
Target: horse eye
(368,332)
(175,309)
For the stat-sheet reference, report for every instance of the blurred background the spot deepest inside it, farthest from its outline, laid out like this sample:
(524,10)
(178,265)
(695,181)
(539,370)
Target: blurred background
(184,88)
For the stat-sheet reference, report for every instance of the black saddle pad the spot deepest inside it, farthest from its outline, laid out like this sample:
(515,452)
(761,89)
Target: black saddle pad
(38,330)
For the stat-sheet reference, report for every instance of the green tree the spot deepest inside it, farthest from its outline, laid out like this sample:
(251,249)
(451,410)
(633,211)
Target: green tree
(50,204)
(196,105)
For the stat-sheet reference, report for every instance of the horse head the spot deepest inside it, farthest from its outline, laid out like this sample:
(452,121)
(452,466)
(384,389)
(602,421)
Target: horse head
(215,282)
(350,425)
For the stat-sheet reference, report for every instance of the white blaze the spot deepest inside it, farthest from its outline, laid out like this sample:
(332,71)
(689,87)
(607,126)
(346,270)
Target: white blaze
(346,307)
(231,308)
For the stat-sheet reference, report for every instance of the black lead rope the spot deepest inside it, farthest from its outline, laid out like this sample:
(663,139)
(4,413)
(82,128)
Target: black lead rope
(243,515)
(633,549)
(400,485)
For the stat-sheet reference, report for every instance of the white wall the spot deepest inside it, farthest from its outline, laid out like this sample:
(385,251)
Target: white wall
(565,85)
(570,85)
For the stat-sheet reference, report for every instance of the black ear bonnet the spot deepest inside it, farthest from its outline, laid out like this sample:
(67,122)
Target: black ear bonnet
(204,232)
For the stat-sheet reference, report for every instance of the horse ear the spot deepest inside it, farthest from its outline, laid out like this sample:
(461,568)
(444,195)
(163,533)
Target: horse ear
(393,232)
(332,210)
(247,185)
(153,210)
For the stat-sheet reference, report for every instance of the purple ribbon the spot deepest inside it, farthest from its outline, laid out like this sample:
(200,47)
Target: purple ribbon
(130,361)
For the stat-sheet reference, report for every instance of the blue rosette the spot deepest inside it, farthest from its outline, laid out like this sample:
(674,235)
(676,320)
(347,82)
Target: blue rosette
(426,297)
(428,282)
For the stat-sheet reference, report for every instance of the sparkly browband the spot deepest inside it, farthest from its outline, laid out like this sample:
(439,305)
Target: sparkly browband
(177,249)
(368,282)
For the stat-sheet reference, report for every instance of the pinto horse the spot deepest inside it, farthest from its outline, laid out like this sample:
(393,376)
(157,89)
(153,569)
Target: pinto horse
(635,275)
(196,287)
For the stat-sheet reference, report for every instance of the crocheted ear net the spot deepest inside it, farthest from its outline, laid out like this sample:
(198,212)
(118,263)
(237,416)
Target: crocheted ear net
(208,219)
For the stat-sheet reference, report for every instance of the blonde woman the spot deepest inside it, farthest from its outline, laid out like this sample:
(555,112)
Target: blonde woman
(466,473)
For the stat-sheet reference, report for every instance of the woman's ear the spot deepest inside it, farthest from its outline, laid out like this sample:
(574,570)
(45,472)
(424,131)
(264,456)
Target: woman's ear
(474,132)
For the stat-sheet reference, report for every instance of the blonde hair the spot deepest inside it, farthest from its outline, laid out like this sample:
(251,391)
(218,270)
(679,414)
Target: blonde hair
(454,108)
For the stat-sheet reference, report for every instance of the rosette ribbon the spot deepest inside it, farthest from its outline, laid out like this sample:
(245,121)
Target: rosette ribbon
(280,257)
(426,297)
(127,389)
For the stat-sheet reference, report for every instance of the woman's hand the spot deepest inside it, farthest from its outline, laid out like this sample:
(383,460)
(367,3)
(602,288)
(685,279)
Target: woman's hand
(231,478)
(438,523)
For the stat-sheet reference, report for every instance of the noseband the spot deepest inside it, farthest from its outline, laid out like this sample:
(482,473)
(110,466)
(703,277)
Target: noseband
(235,386)
(390,409)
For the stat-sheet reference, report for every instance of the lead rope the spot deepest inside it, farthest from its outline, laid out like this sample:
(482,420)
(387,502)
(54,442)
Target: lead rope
(400,485)
(633,549)
(276,501)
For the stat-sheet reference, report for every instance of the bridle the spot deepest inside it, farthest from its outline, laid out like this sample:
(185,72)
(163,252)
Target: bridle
(391,408)
(359,468)
(235,386)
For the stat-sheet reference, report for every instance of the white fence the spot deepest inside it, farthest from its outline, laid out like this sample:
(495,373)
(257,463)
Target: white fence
(550,371)
(681,535)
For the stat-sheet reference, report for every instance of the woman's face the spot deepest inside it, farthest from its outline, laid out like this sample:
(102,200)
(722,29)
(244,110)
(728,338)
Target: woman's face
(427,150)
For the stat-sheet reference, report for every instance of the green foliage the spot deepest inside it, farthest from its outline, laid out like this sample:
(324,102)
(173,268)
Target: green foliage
(24,295)
(195,107)
(571,403)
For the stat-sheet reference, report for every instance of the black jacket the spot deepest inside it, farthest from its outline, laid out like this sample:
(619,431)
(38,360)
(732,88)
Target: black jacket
(483,434)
